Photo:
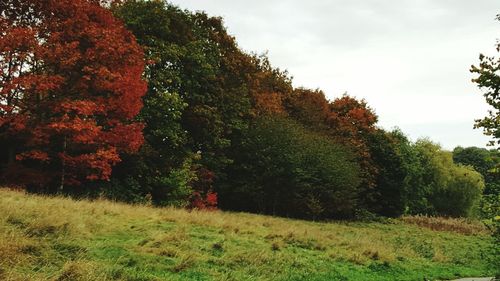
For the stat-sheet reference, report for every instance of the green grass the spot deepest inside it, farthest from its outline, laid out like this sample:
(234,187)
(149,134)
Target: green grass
(51,238)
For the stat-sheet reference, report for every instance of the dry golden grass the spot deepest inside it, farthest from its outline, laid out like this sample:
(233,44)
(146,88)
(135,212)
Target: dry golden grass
(55,238)
(458,225)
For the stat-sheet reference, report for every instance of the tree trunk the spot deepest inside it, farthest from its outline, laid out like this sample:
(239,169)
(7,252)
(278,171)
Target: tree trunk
(11,155)
(63,166)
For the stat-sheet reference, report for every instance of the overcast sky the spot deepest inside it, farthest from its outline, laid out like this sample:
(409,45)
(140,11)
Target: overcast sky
(409,59)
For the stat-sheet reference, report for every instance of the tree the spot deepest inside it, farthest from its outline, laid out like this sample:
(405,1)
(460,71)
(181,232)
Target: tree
(487,163)
(198,100)
(449,189)
(163,166)
(346,121)
(351,122)
(203,91)
(310,108)
(269,87)
(69,90)
(284,169)
(391,188)
(194,58)
(417,192)
(488,80)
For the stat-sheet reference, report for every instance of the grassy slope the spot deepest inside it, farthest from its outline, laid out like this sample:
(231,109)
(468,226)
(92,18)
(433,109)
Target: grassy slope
(45,238)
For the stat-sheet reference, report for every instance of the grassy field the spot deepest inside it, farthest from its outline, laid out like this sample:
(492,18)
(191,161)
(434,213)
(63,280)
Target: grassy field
(45,238)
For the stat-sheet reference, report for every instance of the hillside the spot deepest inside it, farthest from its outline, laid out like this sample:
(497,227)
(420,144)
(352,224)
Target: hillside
(46,238)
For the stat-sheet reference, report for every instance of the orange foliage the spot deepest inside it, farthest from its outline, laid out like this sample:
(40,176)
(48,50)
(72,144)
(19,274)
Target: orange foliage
(350,122)
(268,103)
(309,107)
(346,120)
(70,86)
(268,86)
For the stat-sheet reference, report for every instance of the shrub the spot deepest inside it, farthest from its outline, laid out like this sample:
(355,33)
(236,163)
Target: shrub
(200,202)
(442,187)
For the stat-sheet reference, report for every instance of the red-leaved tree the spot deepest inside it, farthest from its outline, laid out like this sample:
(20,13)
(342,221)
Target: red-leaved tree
(70,86)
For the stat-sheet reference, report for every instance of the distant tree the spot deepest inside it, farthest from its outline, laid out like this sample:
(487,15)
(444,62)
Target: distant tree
(352,117)
(486,162)
(449,189)
(483,160)
(70,86)
(488,80)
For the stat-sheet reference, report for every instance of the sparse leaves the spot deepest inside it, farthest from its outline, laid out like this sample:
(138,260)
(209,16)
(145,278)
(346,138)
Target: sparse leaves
(488,80)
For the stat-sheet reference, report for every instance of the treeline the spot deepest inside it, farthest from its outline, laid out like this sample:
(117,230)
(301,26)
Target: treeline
(218,127)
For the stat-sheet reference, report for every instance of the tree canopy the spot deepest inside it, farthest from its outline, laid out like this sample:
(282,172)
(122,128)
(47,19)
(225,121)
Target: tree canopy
(69,90)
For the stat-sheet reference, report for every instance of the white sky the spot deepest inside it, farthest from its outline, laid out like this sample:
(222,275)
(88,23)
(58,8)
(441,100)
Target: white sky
(409,59)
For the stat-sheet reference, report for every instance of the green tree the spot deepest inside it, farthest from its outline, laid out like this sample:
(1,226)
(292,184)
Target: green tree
(198,95)
(154,170)
(485,162)
(449,189)
(417,192)
(461,194)
(344,120)
(284,169)
(391,187)
(488,80)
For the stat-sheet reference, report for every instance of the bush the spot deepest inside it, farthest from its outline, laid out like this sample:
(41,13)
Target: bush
(489,206)
(125,190)
(134,182)
(496,249)
(175,188)
(446,189)
(460,193)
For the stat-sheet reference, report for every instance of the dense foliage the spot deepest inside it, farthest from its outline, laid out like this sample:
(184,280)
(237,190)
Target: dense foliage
(70,85)
(215,126)
(281,168)
(390,198)
(486,162)
(439,186)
